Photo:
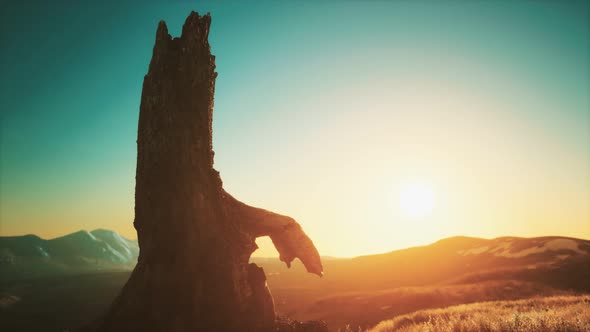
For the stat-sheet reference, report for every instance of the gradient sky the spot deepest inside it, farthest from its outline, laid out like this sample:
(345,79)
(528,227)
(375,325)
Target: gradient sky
(323,111)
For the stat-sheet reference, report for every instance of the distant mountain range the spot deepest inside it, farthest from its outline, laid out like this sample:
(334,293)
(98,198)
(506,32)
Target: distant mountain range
(455,259)
(29,256)
(360,291)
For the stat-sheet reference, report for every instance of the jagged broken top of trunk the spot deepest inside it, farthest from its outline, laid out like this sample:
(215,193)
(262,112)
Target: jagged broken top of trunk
(172,59)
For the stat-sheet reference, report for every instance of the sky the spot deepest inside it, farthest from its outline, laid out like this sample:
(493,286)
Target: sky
(377,125)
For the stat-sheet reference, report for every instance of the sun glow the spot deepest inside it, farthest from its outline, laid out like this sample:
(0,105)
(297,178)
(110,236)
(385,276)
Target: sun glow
(417,200)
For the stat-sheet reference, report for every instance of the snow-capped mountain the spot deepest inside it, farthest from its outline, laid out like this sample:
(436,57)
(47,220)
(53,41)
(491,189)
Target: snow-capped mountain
(83,251)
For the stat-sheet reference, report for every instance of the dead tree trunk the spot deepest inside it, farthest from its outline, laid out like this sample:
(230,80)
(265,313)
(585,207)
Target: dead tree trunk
(195,239)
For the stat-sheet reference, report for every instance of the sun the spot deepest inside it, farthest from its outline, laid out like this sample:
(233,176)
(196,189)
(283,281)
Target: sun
(417,200)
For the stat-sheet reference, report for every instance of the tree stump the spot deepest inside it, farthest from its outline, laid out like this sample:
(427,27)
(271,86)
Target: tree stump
(195,239)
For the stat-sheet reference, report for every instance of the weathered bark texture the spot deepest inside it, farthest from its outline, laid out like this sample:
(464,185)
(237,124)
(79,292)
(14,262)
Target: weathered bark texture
(195,239)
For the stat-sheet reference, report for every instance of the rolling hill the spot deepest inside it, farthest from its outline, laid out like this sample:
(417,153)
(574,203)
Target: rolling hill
(359,292)
(365,290)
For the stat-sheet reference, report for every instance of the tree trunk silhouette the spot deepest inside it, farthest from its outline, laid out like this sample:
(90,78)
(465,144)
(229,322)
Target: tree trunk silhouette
(195,239)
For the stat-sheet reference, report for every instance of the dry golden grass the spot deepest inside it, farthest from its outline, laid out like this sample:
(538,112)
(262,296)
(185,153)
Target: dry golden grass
(365,309)
(549,314)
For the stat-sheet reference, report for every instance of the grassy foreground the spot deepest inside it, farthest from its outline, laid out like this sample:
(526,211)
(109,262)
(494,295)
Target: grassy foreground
(554,314)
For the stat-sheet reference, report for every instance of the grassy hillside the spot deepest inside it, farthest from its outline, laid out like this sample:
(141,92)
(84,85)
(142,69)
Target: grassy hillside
(365,309)
(549,314)
(366,290)
(69,302)
(360,292)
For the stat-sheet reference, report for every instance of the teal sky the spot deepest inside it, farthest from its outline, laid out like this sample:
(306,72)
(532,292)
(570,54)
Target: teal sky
(321,111)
